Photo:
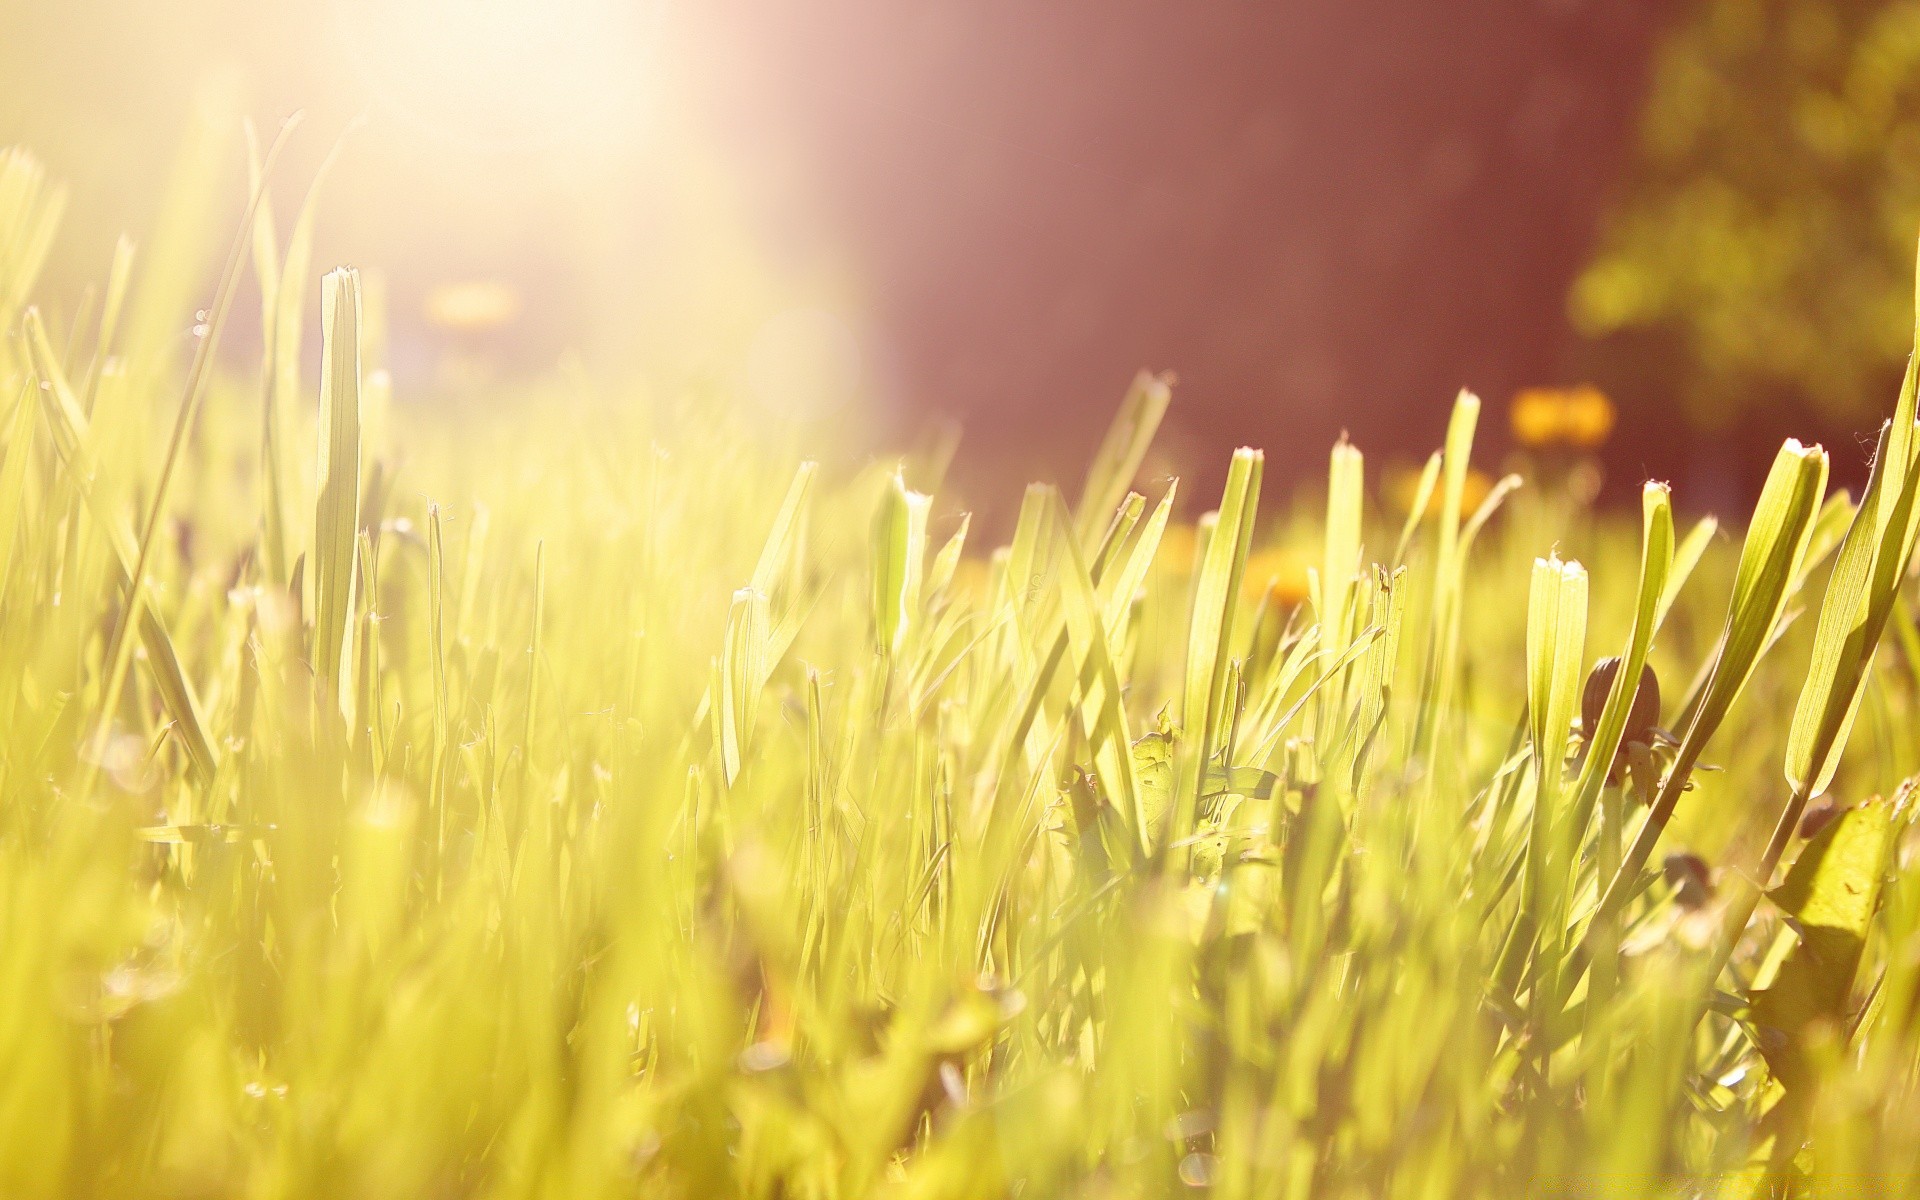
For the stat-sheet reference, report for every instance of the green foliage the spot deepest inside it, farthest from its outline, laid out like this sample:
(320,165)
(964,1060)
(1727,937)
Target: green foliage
(1771,215)
(1830,897)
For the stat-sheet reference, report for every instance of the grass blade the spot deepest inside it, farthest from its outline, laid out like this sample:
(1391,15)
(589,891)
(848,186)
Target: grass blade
(1210,632)
(1121,452)
(335,566)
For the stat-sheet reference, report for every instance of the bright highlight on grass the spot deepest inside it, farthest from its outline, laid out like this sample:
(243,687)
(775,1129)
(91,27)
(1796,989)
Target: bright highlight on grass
(617,804)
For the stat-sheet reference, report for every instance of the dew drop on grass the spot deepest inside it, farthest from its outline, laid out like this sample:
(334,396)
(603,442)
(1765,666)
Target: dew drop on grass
(1197,1170)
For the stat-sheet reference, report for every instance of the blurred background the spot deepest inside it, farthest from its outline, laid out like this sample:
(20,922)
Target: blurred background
(1691,221)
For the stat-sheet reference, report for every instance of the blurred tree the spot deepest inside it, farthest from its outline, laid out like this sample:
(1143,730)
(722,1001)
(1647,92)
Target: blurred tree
(1763,247)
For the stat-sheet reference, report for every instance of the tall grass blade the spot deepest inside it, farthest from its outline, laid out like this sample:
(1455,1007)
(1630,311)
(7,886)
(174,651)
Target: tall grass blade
(73,441)
(1866,580)
(743,674)
(334,567)
(1121,452)
(899,547)
(1656,566)
(1770,559)
(1210,631)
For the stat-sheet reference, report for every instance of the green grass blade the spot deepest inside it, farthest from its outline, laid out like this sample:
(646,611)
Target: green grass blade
(1086,628)
(13,484)
(1422,499)
(1872,563)
(1121,452)
(743,674)
(784,541)
(1340,567)
(72,440)
(334,567)
(1685,558)
(1210,632)
(899,545)
(1770,559)
(1656,566)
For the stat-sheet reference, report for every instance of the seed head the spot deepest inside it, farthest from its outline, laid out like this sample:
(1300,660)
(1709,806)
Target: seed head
(1690,878)
(1642,716)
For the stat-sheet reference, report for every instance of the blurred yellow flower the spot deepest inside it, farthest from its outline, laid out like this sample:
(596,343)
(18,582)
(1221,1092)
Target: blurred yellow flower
(1403,488)
(472,306)
(1279,574)
(1177,548)
(1581,417)
(970,579)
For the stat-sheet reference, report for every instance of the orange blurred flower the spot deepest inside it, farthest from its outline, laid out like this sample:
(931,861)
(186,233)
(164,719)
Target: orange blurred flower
(1177,547)
(1403,488)
(1581,417)
(1279,574)
(472,306)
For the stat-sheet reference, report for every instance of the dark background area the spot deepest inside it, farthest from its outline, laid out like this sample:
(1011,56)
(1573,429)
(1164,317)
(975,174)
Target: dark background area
(1319,215)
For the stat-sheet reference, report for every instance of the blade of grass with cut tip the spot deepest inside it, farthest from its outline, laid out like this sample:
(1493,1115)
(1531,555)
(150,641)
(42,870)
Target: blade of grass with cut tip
(1556,652)
(1340,572)
(1656,564)
(899,544)
(1866,580)
(1443,650)
(335,566)
(1770,559)
(1210,632)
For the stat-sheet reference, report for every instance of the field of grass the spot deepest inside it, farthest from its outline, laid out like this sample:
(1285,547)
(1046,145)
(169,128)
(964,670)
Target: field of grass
(586,796)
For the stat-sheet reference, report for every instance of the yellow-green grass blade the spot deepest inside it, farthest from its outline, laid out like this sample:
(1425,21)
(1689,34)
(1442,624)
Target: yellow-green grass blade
(334,567)
(1340,566)
(899,546)
(743,674)
(72,440)
(1121,452)
(1556,648)
(1770,560)
(281,334)
(1656,565)
(1496,496)
(1346,491)
(786,539)
(1210,630)
(1102,694)
(1443,649)
(1377,668)
(946,561)
(1685,558)
(112,307)
(1423,490)
(1126,582)
(1866,579)
(119,654)
(13,483)
(30,211)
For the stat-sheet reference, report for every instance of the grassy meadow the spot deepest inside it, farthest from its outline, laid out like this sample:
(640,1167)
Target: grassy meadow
(587,796)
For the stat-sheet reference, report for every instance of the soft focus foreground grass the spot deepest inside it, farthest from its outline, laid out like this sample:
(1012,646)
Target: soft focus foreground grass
(587,798)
